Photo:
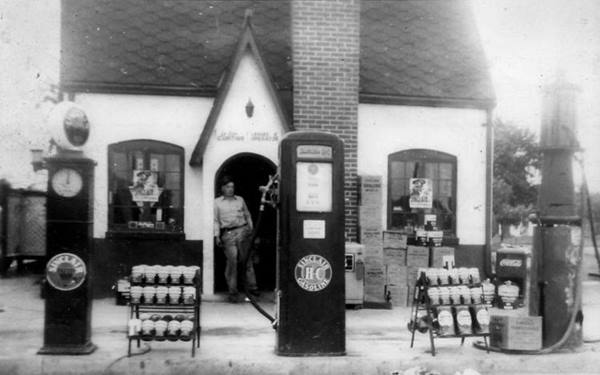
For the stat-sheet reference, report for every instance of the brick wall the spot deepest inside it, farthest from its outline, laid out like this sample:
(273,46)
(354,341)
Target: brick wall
(325,55)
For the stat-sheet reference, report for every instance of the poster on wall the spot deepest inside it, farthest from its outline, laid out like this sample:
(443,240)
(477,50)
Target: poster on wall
(145,188)
(421,193)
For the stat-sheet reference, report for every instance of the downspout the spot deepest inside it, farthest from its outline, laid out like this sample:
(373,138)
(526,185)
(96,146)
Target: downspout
(489,178)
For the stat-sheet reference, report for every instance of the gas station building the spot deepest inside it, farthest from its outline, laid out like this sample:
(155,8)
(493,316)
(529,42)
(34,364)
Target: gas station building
(188,91)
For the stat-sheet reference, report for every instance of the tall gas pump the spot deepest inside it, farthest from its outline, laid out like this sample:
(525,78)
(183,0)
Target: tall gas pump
(310,249)
(547,279)
(558,235)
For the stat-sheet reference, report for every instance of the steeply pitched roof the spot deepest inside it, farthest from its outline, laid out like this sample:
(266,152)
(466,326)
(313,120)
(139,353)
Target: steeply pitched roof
(428,49)
(246,42)
(180,44)
(411,49)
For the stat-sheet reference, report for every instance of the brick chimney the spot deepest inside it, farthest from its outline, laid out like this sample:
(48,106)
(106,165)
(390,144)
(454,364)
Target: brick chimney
(325,55)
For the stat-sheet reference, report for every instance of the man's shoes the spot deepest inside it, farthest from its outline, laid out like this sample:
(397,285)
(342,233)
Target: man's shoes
(233,298)
(254,292)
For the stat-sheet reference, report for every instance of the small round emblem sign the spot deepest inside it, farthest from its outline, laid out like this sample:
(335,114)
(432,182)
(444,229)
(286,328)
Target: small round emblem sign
(65,271)
(313,273)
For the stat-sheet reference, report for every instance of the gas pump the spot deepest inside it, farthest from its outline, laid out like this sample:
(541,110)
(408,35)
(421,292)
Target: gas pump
(310,257)
(557,237)
(69,224)
(549,277)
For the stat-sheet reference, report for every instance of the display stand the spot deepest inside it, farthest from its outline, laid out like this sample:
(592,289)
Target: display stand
(426,312)
(169,309)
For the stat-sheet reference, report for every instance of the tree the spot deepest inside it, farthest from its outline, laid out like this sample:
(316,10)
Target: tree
(516,166)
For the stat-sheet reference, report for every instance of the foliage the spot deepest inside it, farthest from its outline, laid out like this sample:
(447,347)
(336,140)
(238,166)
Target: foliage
(516,164)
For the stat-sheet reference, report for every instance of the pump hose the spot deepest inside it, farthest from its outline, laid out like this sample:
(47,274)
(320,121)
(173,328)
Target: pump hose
(578,280)
(242,263)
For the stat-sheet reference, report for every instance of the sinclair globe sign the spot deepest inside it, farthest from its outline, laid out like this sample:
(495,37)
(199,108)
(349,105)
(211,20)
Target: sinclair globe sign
(66,271)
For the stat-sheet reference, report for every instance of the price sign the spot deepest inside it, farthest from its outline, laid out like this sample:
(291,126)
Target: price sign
(314,187)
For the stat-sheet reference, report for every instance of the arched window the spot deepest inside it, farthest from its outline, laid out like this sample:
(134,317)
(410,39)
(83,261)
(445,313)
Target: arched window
(145,187)
(439,171)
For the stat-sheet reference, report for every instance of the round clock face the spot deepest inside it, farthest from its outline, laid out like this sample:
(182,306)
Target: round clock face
(67,182)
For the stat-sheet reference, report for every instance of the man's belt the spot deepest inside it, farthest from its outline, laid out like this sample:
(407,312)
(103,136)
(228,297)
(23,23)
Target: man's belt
(225,230)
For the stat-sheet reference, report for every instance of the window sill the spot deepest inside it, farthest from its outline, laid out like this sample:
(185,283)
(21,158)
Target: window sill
(146,235)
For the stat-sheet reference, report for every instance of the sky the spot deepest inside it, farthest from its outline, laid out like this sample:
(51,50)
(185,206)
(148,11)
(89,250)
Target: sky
(526,42)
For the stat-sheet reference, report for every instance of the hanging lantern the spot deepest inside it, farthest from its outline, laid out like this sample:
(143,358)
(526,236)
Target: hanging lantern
(249,108)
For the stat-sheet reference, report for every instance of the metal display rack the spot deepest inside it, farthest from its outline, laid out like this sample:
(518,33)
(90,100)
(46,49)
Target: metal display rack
(190,310)
(423,303)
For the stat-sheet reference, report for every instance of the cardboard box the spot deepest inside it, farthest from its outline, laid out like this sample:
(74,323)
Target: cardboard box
(373,250)
(369,236)
(374,282)
(398,294)
(516,332)
(370,190)
(394,239)
(412,273)
(396,275)
(417,256)
(370,217)
(373,261)
(440,255)
(394,256)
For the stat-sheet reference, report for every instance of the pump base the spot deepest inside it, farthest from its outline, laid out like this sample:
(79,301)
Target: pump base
(481,345)
(87,348)
(332,354)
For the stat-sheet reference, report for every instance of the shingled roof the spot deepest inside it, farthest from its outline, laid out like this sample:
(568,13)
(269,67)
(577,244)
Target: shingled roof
(410,49)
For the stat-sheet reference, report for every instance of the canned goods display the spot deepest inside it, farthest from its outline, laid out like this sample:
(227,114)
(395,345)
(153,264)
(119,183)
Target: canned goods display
(160,328)
(134,327)
(453,303)
(164,303)
(463,320)
(148,293)
(445,321)
(481,319)
(162,273)
(434,295)
(444,292)
(174,293)
(463,275)
(161,294)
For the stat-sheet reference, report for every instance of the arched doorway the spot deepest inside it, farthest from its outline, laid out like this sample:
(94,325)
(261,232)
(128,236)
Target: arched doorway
(249,171)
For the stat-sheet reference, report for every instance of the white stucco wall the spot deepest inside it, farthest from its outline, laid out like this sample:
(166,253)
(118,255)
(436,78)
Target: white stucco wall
(384,129)
(235,133)
(180,120)
(117,118)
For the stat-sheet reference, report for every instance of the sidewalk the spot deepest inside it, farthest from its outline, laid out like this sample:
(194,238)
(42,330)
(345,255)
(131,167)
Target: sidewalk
(237,340)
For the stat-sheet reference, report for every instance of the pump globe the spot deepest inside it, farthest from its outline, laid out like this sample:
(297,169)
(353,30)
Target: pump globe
(69,126)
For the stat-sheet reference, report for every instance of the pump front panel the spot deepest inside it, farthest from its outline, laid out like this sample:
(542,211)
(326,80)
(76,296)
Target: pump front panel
(311,273)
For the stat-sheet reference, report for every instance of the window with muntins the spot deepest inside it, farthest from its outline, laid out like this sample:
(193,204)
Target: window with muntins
(145,191)
(440,171)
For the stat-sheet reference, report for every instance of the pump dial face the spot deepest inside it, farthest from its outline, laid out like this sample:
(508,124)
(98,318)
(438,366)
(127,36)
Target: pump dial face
(67,182)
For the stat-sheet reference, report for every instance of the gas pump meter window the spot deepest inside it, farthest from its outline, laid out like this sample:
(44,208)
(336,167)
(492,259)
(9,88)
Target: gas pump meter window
(314,187)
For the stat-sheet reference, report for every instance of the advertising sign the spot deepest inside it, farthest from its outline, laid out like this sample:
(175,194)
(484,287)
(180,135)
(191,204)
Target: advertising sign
(421,193)
(66,271)
(313,273)
(145,188)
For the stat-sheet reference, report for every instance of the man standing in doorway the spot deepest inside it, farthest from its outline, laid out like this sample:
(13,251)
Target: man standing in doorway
(233,231)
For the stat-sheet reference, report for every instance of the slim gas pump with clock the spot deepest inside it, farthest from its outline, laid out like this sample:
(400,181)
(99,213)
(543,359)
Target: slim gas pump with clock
(69,217)
(67,182)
